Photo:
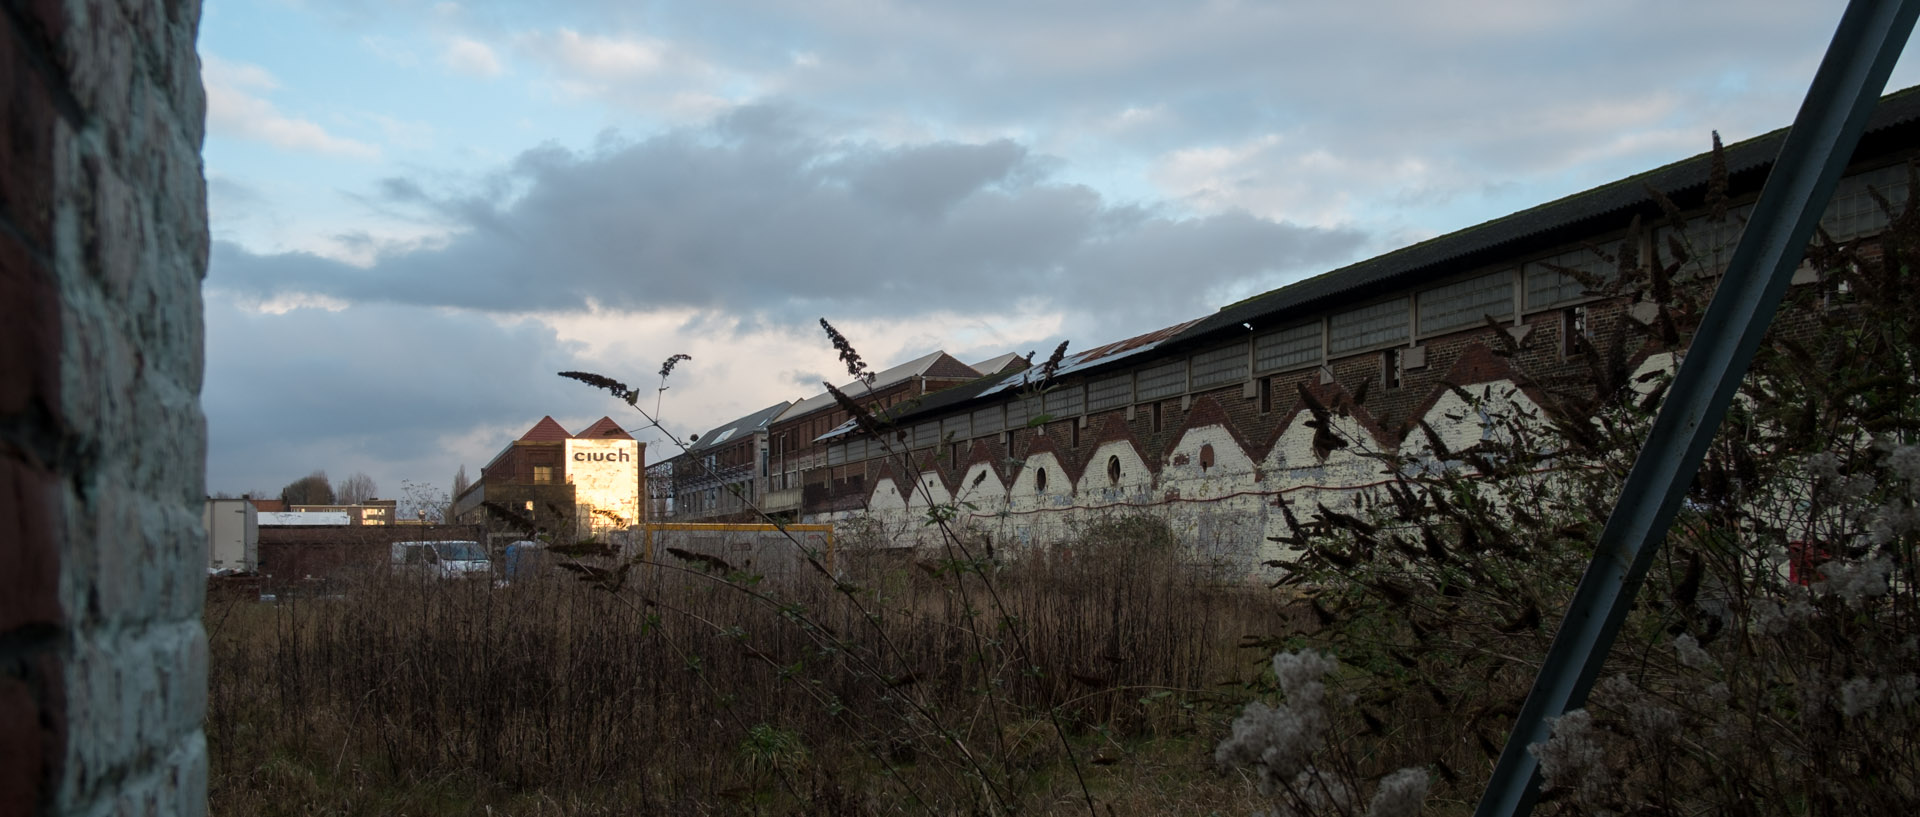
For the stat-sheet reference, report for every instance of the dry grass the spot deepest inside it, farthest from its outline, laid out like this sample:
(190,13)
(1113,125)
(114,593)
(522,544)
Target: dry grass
(683,692)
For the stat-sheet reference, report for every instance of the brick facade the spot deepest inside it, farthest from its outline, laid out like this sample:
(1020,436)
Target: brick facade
(103,242)
(323,556)
(535,487)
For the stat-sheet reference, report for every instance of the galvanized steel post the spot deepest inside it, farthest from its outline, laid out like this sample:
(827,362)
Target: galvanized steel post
(1842,97)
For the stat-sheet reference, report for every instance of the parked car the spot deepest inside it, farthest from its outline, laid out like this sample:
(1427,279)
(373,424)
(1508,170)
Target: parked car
(449,559)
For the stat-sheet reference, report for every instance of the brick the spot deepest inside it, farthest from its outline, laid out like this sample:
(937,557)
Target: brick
(30,370)
(27,114)
(24,750)
(30,561)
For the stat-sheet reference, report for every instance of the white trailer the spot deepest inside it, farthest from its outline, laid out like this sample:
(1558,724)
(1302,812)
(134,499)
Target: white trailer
(233,534)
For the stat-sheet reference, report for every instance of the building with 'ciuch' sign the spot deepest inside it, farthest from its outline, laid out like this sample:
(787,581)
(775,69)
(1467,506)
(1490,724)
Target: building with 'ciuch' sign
(561,487)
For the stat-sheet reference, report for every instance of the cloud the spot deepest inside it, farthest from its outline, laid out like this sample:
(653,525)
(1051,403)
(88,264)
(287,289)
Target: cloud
(654,77)
(382,386)
(411,393)
(470,57)
(604,57)
(233,109)
(756,213)
(230,200)
(1467,91)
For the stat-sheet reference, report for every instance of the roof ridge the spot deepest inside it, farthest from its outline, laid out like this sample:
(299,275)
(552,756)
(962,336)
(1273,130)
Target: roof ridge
(547,430)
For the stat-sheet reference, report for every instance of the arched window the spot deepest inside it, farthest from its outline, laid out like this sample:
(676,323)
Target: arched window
(1113,469)
(1040,481)
(1206,456)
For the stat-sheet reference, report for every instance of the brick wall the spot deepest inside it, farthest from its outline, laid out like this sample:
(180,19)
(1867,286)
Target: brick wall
(103,242)
(326,554)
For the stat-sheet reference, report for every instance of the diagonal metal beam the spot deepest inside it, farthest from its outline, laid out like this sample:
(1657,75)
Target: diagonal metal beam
(1843,95)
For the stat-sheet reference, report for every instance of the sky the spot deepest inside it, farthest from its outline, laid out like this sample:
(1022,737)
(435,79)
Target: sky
(421,211)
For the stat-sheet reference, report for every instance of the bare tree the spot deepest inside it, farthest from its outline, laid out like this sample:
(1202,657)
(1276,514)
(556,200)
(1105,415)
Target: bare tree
(422,501)
(312,489)
(460,481)
(356,489)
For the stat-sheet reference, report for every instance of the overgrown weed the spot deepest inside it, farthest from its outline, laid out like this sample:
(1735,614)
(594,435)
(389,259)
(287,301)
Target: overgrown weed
(1769,666)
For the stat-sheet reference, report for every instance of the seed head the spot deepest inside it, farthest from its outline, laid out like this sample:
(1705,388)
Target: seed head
(616,388)
(666,368)
(855,366)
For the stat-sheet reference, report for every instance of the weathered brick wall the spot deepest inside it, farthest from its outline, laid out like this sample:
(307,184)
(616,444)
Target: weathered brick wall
(103,242)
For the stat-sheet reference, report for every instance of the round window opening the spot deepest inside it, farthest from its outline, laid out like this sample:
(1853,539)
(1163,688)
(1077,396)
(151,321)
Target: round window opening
(1113,469)
(1040,480)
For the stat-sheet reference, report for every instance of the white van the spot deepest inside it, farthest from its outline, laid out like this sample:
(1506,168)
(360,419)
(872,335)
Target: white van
(448,559)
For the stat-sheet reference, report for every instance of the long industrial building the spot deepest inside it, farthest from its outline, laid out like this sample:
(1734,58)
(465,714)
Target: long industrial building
(1205,423)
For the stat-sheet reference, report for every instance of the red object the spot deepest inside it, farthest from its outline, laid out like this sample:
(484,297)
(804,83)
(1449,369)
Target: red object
(1803,562)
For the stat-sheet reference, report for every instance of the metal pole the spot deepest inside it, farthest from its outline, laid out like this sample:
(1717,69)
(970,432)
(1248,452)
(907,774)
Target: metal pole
(1843,95)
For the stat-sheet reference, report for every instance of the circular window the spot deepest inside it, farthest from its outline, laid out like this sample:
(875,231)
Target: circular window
(1040,481)
(1113,469)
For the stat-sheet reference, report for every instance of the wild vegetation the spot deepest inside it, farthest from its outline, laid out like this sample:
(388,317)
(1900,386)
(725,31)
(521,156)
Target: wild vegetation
(1769,667)
(678,687)
(1770,664)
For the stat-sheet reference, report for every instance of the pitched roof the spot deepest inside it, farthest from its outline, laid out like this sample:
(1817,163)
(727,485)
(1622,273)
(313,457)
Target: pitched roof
(735,430)
(1016,378)
(910,369)
(1538,229)
(1096,357)
(604,428)
(545,431)
(996,365)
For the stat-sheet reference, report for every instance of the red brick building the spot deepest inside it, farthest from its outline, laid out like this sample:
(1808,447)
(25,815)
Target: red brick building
(802,476)
(565,486)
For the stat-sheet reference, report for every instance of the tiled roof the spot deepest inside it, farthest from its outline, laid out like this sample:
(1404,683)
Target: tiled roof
(546,431)
(604,428)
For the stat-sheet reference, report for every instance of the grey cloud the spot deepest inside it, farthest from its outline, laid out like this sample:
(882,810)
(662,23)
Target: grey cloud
(1481,81)
(753,215)
(926,181)
(402,191)
(378,384)
(224,191)
(1489,88)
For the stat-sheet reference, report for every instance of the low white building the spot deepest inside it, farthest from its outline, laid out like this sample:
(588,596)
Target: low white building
(293,518)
